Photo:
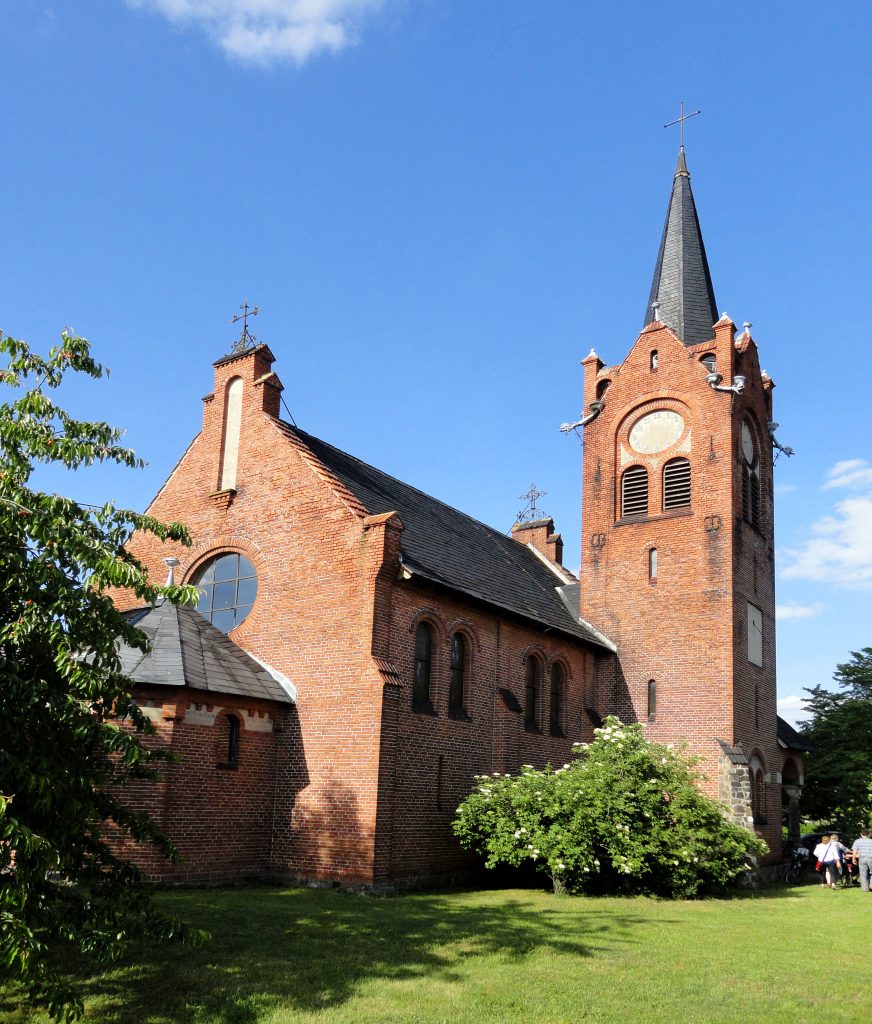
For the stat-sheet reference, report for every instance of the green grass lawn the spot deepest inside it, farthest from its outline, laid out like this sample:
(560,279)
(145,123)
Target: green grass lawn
(304,955)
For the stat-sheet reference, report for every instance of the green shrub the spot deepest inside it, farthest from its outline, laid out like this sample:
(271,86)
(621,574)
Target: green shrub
(624,816)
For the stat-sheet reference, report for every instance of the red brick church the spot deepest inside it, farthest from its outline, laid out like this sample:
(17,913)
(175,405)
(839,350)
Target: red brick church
(362,650)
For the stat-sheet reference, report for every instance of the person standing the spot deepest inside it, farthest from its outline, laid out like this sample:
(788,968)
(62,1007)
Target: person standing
(819,853)
(833,860)
(863,855)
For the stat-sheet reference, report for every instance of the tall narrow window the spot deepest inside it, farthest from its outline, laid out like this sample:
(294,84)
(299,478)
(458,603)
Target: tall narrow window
(652,699)
(533,691)
(227,742)
(456,690)
(634,492)
(558,697)
(754,626)
(230,441)
(423,650)
(676,484)
(652,563)
(750,476)
(655,359)
(758,791)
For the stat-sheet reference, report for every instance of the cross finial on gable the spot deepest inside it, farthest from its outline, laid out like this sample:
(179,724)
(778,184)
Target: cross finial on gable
(529,511)
(246,339)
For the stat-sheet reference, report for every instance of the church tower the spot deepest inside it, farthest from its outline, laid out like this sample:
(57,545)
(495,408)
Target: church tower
(677,529)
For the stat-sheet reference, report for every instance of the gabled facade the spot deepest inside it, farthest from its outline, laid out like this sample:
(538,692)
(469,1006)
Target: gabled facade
(423,648)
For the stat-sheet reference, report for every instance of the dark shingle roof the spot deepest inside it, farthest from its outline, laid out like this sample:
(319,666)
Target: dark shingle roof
(790,738)
(682,283)
(187,650)
(447,547)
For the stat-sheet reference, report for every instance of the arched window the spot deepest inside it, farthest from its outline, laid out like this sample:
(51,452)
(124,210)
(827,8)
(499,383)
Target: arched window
(533,692)
(558,699)
(457,687)
(709,361)
(602,387)
(652,563)
(423,652)
(756,769)
(750,476)
(676,484)
(655,359)
(227,742)
(228,587)
(652,699)
(634,492)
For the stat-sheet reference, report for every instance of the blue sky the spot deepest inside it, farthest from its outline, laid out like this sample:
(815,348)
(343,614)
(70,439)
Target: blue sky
(441,206)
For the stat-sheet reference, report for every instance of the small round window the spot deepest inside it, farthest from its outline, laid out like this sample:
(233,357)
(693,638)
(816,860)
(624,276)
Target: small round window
(228,587)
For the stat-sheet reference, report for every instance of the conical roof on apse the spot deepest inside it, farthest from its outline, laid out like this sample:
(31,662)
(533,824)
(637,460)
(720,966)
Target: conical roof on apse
(682,283)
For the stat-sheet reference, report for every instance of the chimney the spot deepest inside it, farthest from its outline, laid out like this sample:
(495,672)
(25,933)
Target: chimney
(539,533)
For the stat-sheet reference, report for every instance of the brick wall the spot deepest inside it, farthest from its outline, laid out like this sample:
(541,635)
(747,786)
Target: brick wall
(364,787)
(685,628)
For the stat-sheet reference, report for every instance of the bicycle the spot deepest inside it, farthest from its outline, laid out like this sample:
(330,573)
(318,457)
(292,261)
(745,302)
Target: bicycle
(795,869)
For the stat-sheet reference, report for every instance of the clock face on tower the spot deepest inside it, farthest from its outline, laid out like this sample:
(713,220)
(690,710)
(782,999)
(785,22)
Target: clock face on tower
(656,431)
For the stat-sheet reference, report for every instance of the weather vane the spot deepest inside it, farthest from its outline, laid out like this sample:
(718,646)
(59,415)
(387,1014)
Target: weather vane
(529,511)
(682,117)
(246,339)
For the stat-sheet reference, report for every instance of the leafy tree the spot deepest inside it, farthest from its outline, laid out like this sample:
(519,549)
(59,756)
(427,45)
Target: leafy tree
(838,774)
(64,890)
(624,815)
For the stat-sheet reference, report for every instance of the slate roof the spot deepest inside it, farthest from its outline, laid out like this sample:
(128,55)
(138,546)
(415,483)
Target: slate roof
(187,650)
(790,738)
(682,283)
(448,547)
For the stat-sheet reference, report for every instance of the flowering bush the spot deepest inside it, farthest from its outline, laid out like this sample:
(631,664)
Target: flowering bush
(624,816)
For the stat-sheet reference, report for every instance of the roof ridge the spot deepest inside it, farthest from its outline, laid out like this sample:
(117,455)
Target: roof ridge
(477,522)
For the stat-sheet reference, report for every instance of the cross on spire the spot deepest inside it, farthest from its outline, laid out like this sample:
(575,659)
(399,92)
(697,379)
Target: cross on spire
(682,117)
(246,339)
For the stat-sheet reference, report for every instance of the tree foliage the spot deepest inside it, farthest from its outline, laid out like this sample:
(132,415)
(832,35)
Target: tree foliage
(838,773)
(63,753)
(624,816)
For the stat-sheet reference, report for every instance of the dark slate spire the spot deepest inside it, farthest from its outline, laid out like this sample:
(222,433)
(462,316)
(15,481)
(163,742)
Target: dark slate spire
(682,283)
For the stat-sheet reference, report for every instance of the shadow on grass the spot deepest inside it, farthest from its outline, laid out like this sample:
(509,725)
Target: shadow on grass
(313,949)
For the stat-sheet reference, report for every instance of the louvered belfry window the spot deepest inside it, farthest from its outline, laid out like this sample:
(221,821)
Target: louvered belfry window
(634,492)
(676,484)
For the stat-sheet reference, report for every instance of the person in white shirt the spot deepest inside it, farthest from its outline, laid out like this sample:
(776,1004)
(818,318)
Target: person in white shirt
(833,860)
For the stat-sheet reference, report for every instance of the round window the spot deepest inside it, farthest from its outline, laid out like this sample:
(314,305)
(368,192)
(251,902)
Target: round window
(228,587)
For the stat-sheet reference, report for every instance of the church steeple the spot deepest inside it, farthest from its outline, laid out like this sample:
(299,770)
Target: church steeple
(682,285)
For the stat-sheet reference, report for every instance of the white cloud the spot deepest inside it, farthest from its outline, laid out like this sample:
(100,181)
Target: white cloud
(839,550)
(849,473)
(270,31)
(797,611)
(792,709)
